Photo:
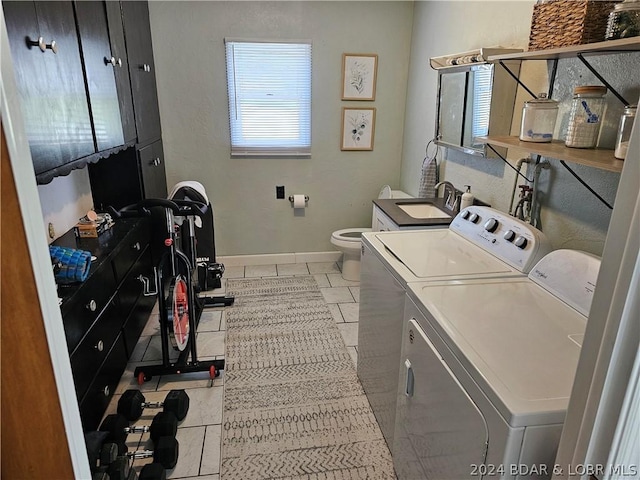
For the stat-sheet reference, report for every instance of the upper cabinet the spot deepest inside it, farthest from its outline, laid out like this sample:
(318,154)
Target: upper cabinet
(121,69)
(46,57)
(137,32)
(72,75)
(99,65)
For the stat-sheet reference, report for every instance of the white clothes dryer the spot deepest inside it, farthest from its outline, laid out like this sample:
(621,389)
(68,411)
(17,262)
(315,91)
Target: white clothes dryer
(487,368)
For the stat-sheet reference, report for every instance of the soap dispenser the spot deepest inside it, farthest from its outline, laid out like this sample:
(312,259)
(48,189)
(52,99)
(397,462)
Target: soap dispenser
(467,198)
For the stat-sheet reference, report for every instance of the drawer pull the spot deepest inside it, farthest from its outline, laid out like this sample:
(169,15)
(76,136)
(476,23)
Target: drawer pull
(100,346)
(106,391)
(92,306)
(136,246)
(146,284)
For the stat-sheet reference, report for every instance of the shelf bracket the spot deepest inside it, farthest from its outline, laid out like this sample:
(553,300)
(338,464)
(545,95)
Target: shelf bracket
(515,77)
(585,185)
(602,79)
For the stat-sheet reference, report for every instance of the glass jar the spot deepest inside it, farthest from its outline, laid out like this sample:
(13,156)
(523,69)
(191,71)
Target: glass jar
(624,131)
(585,118)
(538,119)
(624,20)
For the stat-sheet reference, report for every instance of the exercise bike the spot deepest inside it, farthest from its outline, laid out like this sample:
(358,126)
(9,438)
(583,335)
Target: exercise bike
(176,286)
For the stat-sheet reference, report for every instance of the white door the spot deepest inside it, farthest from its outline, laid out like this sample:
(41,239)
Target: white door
(440,432)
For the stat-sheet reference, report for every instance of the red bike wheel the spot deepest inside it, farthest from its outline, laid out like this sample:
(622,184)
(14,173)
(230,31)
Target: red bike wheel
(179,313)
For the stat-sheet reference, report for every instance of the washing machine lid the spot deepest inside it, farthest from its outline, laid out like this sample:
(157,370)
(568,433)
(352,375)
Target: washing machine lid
(519,342)
(440,254)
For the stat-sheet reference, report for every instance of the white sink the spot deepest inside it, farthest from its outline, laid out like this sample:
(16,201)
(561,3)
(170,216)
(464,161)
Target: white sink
(423,210)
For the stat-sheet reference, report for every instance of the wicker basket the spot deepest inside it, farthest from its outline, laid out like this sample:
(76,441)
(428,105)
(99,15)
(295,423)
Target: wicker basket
(561,23)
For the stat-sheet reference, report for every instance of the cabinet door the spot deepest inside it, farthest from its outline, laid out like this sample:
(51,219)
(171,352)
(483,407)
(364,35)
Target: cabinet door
(51,85)
(99,67)
(440,432)
(137,31)
(123,85)
(154,179)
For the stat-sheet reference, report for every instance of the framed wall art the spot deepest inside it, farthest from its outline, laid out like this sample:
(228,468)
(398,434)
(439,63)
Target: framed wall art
(359,76)
(358,128)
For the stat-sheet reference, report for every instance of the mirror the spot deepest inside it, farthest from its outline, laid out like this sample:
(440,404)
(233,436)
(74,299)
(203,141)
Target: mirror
(474,100)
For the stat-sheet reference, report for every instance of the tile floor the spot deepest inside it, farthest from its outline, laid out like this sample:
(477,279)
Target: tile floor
(199,434)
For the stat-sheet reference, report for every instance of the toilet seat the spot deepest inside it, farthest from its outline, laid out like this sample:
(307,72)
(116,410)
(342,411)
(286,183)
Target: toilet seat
(348,237)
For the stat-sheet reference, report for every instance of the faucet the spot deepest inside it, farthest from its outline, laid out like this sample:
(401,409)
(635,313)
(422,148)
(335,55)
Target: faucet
(450,194)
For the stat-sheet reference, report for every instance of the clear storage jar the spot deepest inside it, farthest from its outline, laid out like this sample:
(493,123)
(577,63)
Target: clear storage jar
(624,131)
(624,20)
(538,119)
(585,118)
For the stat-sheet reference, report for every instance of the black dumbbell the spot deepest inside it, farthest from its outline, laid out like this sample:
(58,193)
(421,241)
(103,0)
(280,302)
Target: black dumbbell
(120,468)
(132,403)
(164,424)
(165,453)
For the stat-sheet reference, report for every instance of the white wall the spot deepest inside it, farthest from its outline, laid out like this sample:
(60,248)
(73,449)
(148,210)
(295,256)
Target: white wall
(571,216)
(190,64)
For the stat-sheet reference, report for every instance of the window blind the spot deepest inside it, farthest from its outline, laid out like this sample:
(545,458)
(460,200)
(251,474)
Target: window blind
(269,86)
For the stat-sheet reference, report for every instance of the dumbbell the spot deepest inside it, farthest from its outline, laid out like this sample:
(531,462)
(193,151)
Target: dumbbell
(119,468)
(165,453)
(164,424)
(132,403)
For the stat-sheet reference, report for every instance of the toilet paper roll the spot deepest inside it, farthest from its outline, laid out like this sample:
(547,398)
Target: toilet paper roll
(299,201)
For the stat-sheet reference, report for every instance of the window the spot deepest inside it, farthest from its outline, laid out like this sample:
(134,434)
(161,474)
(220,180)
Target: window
(269,86)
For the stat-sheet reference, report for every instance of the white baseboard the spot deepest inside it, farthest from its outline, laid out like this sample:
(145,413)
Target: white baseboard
(278,258)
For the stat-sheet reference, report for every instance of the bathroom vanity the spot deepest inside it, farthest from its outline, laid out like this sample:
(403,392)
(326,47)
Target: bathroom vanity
(410,214)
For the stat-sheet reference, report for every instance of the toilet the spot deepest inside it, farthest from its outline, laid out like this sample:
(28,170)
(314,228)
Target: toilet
(348,240)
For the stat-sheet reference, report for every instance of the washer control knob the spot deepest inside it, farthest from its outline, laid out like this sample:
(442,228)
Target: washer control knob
(521,242)
(509,235)
(465,214)
(491,225)
(474,218)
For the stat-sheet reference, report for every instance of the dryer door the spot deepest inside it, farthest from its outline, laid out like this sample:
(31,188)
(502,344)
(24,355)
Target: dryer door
(440,432)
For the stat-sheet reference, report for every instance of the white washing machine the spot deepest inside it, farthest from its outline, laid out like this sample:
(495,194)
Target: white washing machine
(480,242)
(487,368)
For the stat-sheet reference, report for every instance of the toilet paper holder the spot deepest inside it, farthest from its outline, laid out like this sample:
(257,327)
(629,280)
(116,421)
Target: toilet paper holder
(306,198)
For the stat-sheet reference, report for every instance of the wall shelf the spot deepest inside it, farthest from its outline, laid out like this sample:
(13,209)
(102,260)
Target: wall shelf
(591,157)
(599,48)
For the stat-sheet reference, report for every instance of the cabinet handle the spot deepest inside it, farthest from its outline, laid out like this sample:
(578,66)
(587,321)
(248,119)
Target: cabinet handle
(53,46)
(145,67)
(100,346)
(136,246)
(156,162)
(106,391)
(92,306)
(113,62)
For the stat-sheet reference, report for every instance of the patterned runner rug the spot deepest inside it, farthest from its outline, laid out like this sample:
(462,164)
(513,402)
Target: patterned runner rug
(294,407)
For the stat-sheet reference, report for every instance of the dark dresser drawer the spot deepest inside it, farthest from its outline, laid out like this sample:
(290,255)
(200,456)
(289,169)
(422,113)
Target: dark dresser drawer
(99,393)
(92,351)
(83,308)
(130,249)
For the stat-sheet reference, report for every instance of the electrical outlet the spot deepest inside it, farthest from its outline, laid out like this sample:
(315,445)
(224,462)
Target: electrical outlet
(52,231)
(280,191)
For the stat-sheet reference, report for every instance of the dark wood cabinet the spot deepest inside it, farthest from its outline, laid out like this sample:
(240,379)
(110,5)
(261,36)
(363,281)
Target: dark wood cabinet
(135,15)
(46,58)
(99,66)
(119,52)
(104,316)
(154,179)
(128,177)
